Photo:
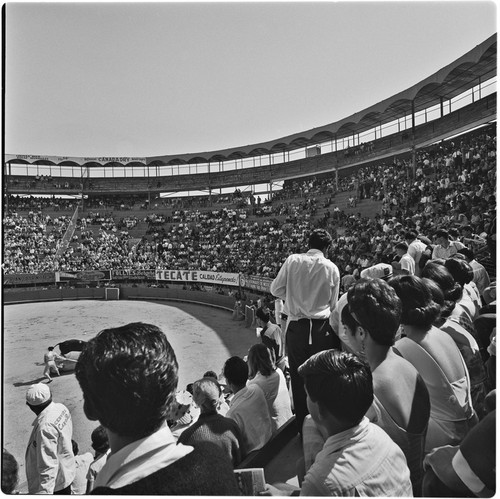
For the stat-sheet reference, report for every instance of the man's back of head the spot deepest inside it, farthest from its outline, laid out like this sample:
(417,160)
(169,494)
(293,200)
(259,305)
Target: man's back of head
(128,376)
(340,384)
(320,239)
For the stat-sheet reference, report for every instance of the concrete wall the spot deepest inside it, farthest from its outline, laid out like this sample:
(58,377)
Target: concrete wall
(126,293)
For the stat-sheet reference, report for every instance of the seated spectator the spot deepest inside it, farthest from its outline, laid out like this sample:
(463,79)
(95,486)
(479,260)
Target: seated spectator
(82,462)
(444,247)
(263,373)
(128,376)
(100,444)
(467,345)
(466,470)
(462,273)
(248,407)
(211,426)
(358,458)
(271,336)
(401,403)
(10,473)
(184,412)
(438,360)
(452,292)
(481,277)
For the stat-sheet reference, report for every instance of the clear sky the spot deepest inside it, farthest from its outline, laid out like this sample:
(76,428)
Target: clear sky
(145,79)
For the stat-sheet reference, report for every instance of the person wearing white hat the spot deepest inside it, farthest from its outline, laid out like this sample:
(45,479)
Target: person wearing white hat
(50,463)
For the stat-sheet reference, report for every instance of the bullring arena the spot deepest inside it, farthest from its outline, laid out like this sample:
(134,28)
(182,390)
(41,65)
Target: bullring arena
(203,337)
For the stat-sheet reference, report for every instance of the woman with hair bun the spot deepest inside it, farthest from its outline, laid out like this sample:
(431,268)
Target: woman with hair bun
(462,273)
(468,347)
(438,360)
(401,403)
(452,291)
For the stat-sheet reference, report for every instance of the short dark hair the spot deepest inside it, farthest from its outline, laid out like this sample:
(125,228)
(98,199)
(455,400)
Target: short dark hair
(128,376)
(340,383)
(210,374)
(236,371)
(320,239)
(401,246)
(50,349)
(467,252)
(442,233)
(411,235)
(377,307)
(419,309)
(10,472)
(262,314)
(99,439)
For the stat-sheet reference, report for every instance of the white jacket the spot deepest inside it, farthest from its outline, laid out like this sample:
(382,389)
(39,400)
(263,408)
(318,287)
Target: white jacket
(50,463)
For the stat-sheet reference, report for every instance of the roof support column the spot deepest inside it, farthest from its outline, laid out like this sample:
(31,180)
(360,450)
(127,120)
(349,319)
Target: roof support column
(413,154)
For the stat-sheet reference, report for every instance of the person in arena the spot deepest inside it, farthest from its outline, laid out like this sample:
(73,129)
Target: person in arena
(358,457)
(128,376)
(49,359)
(406,263)
(309,285)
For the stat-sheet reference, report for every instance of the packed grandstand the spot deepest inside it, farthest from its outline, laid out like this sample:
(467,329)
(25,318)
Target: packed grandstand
(412,164)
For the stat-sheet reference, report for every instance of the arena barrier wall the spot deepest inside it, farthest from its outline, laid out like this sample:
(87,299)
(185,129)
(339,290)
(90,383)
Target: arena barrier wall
(127,293)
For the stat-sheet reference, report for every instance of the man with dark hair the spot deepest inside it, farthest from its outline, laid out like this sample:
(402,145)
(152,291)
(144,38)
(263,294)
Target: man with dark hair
(406,264)
(128,376)
(445,248)
(248,407)
(358,458)
(415,249)
(308,283)
(271,336)
(50,463)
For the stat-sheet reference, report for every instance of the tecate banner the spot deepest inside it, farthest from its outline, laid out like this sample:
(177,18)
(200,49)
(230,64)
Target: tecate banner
(224,278)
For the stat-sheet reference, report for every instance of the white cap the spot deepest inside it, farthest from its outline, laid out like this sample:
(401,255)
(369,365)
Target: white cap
(379,271)
(38,394)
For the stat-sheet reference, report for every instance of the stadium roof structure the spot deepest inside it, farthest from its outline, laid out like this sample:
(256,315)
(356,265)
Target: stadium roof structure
(476,66)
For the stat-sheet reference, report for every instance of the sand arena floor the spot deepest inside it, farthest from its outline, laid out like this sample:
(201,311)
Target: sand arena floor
(202,337)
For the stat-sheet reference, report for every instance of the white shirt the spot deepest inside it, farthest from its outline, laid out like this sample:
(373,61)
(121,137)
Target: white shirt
(415,250)
(50,463)
(309,284)
(249,409)
(277,397)
(141,459)
(407,263)
(363,461)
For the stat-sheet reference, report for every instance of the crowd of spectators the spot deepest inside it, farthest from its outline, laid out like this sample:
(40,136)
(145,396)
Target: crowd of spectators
(453,188)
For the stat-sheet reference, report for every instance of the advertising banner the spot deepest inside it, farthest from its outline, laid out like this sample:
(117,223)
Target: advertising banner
(223,278)
(85,275)
(42,277)
(138,274)
(255,282)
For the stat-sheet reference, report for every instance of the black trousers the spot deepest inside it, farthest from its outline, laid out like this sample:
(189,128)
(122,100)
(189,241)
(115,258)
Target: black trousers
(66,491)
(299,350)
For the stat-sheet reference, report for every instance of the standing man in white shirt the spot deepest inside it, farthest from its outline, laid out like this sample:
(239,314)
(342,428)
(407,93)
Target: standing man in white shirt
(406,264)
(309,284)
(415,249)
(50,463)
